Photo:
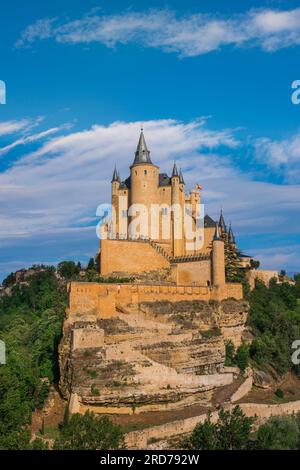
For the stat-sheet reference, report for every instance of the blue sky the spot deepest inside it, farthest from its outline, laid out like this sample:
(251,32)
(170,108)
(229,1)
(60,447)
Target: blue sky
(210,80)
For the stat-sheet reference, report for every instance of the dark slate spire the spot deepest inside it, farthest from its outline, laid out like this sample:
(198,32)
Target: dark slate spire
(175,171)
(222,224)
(142,154)
(231,237)
(181,180)
(116,176)
(217,235)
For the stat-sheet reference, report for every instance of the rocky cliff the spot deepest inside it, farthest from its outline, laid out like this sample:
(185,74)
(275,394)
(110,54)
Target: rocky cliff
(151,356)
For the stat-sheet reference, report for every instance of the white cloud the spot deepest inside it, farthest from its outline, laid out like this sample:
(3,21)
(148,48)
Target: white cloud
(188,35)
(282,156)
(31,138)
(11,127)
(50,193)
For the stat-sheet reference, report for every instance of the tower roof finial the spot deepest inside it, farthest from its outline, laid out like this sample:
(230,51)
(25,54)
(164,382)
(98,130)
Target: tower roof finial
(142,154)
(222,224)
(115,176)
(175,171)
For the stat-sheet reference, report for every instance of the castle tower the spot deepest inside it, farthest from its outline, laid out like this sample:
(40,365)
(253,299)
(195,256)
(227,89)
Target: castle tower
(177,213)
(115,185)
(218,260)
(144,180)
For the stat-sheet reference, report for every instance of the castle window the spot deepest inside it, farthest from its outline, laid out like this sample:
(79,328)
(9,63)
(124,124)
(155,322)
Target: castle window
(124,213)
(164,211)
(145,172)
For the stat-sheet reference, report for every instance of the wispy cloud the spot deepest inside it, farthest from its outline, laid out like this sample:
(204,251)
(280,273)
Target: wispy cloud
(51,194)
(282,156)
(188,35)
(31,138)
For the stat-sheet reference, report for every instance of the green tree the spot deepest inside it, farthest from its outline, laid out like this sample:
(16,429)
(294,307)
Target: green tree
(229,353)
(89,432)
(91,265)
(278,433)
(68,269)
(231,432)
(9,280)
(242,356)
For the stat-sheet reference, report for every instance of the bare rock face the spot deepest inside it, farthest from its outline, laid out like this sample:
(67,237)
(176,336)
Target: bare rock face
(153,356)
(262,379)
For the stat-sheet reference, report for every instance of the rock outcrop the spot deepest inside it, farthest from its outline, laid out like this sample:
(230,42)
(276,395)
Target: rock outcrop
(151,356)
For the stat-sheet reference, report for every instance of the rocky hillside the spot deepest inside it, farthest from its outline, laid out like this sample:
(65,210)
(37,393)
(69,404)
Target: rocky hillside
(153,356)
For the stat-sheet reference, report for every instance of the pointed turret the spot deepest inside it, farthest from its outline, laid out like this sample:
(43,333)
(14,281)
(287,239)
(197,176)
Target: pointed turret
(217,234)
(175,171)
(181,180)
(231,237)
(116,176)
(222,224)
(142,154)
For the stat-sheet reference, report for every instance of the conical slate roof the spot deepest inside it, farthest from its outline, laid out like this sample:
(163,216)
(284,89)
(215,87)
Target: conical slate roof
(217,235)
(175,171)
(231,237)
(181,180)
(222,224)
(142,154)
(115,176)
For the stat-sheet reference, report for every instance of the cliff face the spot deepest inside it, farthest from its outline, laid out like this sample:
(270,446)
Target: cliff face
(151,356)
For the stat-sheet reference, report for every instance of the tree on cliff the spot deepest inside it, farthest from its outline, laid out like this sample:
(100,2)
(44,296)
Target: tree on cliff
(89,432)
(231,432)
(30,324)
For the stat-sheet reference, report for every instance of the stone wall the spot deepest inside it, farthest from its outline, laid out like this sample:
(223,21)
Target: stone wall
(102,299)
(197,272)
(140,439)
(129,257)
(262,275)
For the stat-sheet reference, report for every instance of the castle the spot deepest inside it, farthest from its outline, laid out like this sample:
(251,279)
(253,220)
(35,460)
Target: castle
(156,225)
(149,334)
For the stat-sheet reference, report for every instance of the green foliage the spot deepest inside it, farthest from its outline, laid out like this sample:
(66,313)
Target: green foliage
(279,393)
(254,264)
(229,353)
(68,270)
(30,324)
(89,432)
(230,432)
(242,356)
(275,320)
(239,358)
(91,264)
(213,332)
(9,280)
(278,433)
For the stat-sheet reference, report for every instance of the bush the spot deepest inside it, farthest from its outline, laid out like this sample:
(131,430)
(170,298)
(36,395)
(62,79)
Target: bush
(278,433)
(89,432)
(242,356)
(231,432)
(279,393)
(68,269)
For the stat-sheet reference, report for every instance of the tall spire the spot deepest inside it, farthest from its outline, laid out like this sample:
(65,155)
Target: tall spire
(115,176)
(142,154)
(181,180)
(175,171)
(222,224)
(231,237)
(217,234)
